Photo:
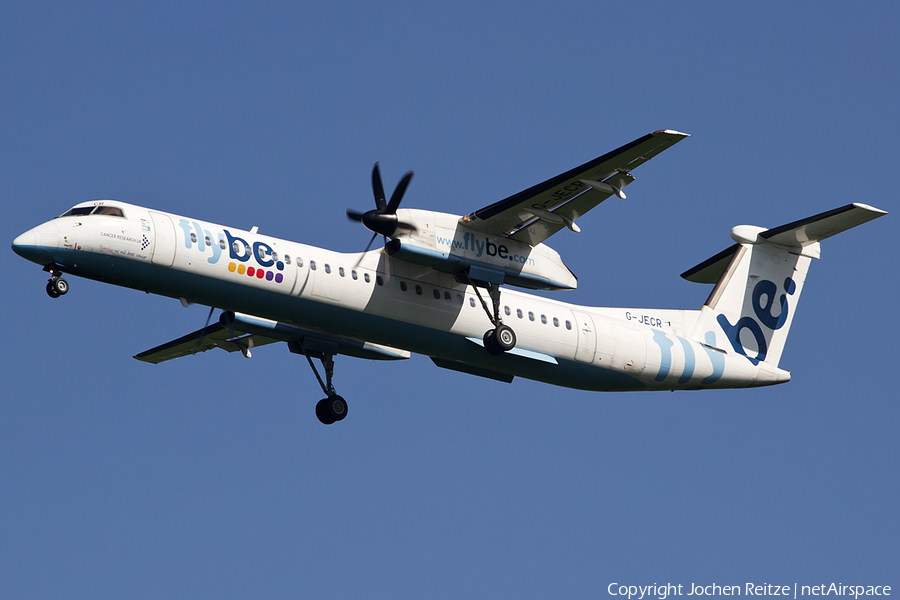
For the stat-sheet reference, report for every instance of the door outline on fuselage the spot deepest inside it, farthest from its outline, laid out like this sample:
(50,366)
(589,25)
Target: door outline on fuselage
(164,240)
(587,337)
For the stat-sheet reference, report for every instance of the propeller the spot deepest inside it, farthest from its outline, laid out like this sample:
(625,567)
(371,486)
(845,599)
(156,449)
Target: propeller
(382,220)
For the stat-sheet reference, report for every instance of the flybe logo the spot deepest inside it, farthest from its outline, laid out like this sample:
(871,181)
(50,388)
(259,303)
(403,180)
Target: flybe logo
(267,265)
(762,300)
(483,247)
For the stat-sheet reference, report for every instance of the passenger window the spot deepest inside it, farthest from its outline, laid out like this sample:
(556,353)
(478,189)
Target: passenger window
(366,277)
(555,322)
(287,259)
(193,237)
(341,271)
(459,299)
(530,316)
(402,286)
(312,265)
(327,268)
(544,319)
(378,280)
(568,325)
(447,295)
(437,294)
(299,263)
(418,290)
(472,302)
(353,275)
(208,241)
(222,244)
(519,312)
(506,310)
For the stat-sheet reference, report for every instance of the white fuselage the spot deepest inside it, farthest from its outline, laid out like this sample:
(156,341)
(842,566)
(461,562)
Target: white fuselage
(378,298)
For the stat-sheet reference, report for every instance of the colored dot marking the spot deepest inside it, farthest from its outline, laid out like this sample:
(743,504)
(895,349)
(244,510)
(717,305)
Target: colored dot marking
(260,273)
(241,269)
(269,276)
(251,271)
(279,265)
(279,278)
(231,267)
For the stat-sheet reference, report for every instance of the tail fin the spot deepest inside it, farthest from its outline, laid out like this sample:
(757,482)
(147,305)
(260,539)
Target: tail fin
(759,280)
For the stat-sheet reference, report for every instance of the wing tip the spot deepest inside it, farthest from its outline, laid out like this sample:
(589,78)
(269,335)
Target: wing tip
(671,132)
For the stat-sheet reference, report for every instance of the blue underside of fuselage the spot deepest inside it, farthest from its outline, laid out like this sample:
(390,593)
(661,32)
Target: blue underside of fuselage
(321,316)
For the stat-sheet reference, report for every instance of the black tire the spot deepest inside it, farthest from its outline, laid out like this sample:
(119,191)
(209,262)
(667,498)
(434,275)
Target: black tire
(505,338)
(489,344)
(323,412)
(338,407)
(62,286)
(51,290)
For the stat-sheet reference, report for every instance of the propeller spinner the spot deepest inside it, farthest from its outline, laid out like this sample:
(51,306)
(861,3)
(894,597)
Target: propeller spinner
(382,220)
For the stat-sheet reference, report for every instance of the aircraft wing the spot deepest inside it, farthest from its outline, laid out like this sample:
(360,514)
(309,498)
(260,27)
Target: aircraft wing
(533,215)
(244,332)
(214,336)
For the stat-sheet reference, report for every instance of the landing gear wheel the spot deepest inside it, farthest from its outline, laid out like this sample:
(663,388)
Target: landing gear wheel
(504,338)
(57,286)
(489,344)
(331,409)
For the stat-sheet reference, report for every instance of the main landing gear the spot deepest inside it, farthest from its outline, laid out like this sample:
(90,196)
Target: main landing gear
(56,286)
(501,338)
(333,408)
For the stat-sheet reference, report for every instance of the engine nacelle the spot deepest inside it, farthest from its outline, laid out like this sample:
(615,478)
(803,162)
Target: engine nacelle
(442,243)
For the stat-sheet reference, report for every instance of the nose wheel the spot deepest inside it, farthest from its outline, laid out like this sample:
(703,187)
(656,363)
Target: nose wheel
(57,286)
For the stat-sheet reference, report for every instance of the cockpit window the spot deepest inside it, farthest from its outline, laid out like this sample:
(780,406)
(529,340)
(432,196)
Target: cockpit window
(112,211)
(78,211)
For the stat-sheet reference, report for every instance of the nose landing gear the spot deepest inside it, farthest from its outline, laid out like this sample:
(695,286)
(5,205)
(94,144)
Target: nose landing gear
(56,286)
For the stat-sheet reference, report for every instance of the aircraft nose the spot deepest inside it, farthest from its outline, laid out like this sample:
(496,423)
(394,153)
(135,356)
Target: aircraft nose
(25,244)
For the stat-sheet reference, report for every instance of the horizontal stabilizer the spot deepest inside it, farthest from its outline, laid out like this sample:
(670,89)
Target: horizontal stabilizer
(799,235)
(817,228)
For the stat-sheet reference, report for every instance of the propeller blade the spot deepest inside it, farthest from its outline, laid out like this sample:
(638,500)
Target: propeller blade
(202,335)
(398,193)
(377,188)
(355,215)
(369,245)
(406,226)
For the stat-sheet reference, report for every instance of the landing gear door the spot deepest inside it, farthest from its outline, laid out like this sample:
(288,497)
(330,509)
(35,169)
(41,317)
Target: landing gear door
(587,337)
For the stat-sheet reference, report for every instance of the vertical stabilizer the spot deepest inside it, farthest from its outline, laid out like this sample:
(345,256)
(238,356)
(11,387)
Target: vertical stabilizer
(759,281)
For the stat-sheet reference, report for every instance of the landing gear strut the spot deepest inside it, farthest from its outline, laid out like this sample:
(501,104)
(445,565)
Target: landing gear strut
(333,408)
(501,338)
(56,286)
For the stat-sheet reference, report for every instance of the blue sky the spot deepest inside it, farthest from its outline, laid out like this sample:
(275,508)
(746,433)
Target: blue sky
(211,477)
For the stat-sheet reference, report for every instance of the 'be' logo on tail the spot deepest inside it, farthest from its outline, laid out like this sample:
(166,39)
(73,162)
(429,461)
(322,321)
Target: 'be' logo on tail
(767,290)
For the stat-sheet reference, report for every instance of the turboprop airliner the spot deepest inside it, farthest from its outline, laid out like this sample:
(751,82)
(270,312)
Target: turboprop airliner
(449,287)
